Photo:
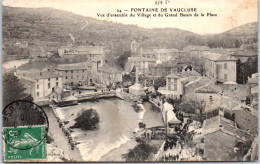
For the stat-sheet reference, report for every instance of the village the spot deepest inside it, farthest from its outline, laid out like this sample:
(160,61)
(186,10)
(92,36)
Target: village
(195,89)
(155,97)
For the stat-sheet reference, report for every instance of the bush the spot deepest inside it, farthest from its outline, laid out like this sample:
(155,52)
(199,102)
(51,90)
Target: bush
(87,120)
(140,152)
(49,139)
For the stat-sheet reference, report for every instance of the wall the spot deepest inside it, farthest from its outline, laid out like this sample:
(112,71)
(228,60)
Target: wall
(76,74)
(230,71)
(209,105)
(43,90)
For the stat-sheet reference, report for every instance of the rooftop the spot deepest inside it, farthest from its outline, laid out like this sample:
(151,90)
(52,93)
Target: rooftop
(183,74)
(245,53)
(41,75)
(217,56)
(74,66)
(165,51)
(226,126)
(93,50)
(209,88)
(141,59)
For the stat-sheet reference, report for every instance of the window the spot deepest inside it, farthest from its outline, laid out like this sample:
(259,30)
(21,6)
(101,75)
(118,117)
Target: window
(169,84)
(66,71)
(66,77)
(71,77)
(49,85)
(37,86)
(49,79)
(83,71)
(71,71)
(57,83)
(172,84)
(225,65)
(225,76)
(57,78)
(175,87)
(38,94)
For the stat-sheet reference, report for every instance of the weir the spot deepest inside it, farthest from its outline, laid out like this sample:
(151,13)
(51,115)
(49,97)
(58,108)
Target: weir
(97,95)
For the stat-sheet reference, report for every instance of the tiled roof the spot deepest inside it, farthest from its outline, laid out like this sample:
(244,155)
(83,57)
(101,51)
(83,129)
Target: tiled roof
(139,58)
(246,53)
(91,49)
(218,56)
(184,74)
(165,51)
(41,75)
(173,75)
(227,126)
(253,80)
(209,88)
(74,66)
(170,64)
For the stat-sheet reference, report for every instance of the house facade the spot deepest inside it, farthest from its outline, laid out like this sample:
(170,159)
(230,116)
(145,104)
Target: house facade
(42,83)
(109,75)
(87,52)
(175,83)
(220,67)
(75,73)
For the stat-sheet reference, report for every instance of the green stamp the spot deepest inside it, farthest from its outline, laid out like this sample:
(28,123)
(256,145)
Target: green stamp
(24,143)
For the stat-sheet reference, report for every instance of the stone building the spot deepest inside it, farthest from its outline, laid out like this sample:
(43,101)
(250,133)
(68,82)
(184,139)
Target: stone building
(40,84)
(220,67)
(75,73)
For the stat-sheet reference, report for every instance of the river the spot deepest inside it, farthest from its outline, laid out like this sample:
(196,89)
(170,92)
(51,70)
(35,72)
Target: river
(118,121)
(9,65)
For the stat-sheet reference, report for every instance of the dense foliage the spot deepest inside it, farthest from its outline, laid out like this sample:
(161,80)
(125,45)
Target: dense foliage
(87,120)
(246,69)
(140,152)
(13,89)
(121,60)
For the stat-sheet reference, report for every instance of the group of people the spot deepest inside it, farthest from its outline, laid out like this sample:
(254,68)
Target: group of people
(171,157)
(65,131)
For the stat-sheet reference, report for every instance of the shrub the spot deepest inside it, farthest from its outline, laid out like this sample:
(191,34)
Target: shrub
(87,120)
(49,139)
(140,152)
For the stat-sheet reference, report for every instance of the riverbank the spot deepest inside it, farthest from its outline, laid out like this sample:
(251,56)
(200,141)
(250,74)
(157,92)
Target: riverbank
(59,138)
(114,137)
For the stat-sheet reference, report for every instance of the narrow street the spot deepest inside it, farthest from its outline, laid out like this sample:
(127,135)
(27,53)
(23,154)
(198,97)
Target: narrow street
(60,140)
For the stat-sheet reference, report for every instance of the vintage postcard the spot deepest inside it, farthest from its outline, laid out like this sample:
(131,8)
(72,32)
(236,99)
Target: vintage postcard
(129,80)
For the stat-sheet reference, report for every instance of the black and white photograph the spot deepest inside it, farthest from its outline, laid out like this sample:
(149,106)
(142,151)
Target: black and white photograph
(129,80)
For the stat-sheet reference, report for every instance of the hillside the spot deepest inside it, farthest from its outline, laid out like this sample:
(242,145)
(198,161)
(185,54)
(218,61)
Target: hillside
(244,36)
(55,25)
(37,25)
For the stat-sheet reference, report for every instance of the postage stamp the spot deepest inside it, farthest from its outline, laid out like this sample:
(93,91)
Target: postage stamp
(25,126)
(24,143)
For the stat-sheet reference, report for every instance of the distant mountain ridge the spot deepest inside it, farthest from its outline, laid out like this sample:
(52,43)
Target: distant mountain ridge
(55,26)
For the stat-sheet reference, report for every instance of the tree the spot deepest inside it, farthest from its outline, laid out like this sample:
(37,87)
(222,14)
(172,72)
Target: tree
(140,152)
(13,90)
(246,69)
(121,60)
(242,148)
(160,82)
(87,120)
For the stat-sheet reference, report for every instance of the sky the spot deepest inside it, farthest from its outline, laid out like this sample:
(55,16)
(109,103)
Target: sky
(230,13)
